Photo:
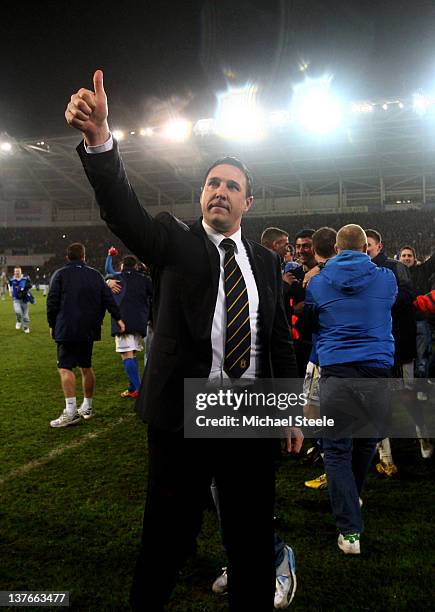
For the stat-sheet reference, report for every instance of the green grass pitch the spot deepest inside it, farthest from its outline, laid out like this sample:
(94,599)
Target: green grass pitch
(71,502)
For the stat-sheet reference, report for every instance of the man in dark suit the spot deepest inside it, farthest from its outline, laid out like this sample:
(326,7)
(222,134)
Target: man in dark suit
(191,339)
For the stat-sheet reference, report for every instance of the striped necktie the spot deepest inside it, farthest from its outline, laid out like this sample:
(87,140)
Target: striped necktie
(238,328)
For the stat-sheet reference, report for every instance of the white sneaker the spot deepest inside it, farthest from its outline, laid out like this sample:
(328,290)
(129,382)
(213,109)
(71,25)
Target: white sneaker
(220,585)
(285,584)
(17,325)
(27,330)
(349,543)
(421,396)
(65,419)
(426,448)
(85,412)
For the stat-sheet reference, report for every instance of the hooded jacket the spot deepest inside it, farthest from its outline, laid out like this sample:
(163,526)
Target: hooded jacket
(352,300)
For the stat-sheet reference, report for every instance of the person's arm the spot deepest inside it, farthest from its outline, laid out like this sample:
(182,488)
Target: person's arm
(405,293)
(119,206)
(53,300)
(429,265)
(281,344)
(108,266)
(426,303)
(110,305)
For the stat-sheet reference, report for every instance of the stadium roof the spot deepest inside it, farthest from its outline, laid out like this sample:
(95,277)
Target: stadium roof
(375,157)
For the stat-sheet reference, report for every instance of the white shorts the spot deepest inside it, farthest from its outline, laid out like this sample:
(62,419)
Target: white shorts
(311,383)
(128,342)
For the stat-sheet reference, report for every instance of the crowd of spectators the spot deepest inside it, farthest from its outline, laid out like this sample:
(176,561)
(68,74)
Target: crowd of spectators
(410,227)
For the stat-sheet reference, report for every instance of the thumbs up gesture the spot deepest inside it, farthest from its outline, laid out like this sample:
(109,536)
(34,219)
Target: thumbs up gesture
(87,111)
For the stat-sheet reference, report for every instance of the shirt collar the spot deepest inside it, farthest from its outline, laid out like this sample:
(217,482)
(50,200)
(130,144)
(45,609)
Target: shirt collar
(216,237)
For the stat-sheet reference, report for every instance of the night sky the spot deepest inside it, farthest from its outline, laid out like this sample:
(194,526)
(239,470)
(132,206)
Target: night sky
(167,57)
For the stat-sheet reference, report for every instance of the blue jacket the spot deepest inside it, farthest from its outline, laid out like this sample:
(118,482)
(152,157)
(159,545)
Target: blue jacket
(76,303)
(352,300)
(134,301)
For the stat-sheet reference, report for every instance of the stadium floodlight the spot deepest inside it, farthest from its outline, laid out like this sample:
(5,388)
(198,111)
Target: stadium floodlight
(118,135)
(420,103)
(361,107)
(401,105)
(177,130)
(6,147)
(315,107)
(385,106)
(146,131)
(239,116)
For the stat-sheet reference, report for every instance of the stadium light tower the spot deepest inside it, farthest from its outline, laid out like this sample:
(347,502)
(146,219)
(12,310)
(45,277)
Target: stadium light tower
(177,130)
(6,147)
(420,103)
(314,106)
(119,135)
(239,116)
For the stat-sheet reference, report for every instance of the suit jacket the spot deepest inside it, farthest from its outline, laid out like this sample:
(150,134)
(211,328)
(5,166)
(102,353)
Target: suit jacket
(186,268)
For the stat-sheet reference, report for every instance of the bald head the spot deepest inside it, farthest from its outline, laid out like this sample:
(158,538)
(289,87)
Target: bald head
(351,238)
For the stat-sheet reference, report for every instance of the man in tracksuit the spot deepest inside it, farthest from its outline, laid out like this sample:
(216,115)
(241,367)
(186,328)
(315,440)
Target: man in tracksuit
(76,304)
(352,300)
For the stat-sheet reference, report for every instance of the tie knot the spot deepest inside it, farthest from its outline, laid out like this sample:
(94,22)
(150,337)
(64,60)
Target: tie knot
(228,245)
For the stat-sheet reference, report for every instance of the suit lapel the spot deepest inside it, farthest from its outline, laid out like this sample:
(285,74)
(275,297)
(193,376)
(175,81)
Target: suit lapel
(260,271)
(213,256)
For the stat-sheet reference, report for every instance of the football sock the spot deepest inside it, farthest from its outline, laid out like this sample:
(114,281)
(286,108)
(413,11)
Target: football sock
(87,403)
(130,366)
(71,405)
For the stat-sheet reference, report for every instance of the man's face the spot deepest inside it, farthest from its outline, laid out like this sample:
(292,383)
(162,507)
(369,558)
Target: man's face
(280,246)
(407,257)
(223,198)
(373,247)
(304,251)
(17,272)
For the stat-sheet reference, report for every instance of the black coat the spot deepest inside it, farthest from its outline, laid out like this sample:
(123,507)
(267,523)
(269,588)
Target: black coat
(134,301)
(403,312)
(76,303)
(186,269)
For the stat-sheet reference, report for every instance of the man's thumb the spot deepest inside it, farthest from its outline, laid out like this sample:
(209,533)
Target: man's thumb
(98,82)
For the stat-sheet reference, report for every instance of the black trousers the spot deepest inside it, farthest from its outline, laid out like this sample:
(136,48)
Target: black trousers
(180,474)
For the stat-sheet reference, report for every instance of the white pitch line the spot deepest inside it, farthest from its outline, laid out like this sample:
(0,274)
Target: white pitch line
(60,450)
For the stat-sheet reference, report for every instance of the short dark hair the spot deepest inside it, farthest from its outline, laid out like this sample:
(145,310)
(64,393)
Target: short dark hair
(371,233)
(324,240)
(410,248)
(130,261)
(271,234)
(233,161)
(75,251)
(305,233)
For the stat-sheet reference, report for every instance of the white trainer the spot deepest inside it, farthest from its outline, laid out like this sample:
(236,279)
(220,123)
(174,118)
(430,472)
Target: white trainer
(17,325)
(85,412)
(285,584)
(65,419)
(349,543)
(220,585)
(26,330)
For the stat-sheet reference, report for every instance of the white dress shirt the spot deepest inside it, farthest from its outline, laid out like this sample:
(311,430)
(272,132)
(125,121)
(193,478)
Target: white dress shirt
(220,314)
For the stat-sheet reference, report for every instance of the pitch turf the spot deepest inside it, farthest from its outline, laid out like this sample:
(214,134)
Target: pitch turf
(71,502)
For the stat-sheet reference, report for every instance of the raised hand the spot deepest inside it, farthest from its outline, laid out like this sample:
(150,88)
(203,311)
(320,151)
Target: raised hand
(87,111)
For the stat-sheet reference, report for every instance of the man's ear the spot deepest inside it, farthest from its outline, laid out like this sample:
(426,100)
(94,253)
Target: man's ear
(248,203)
(364,248)
(335,248)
